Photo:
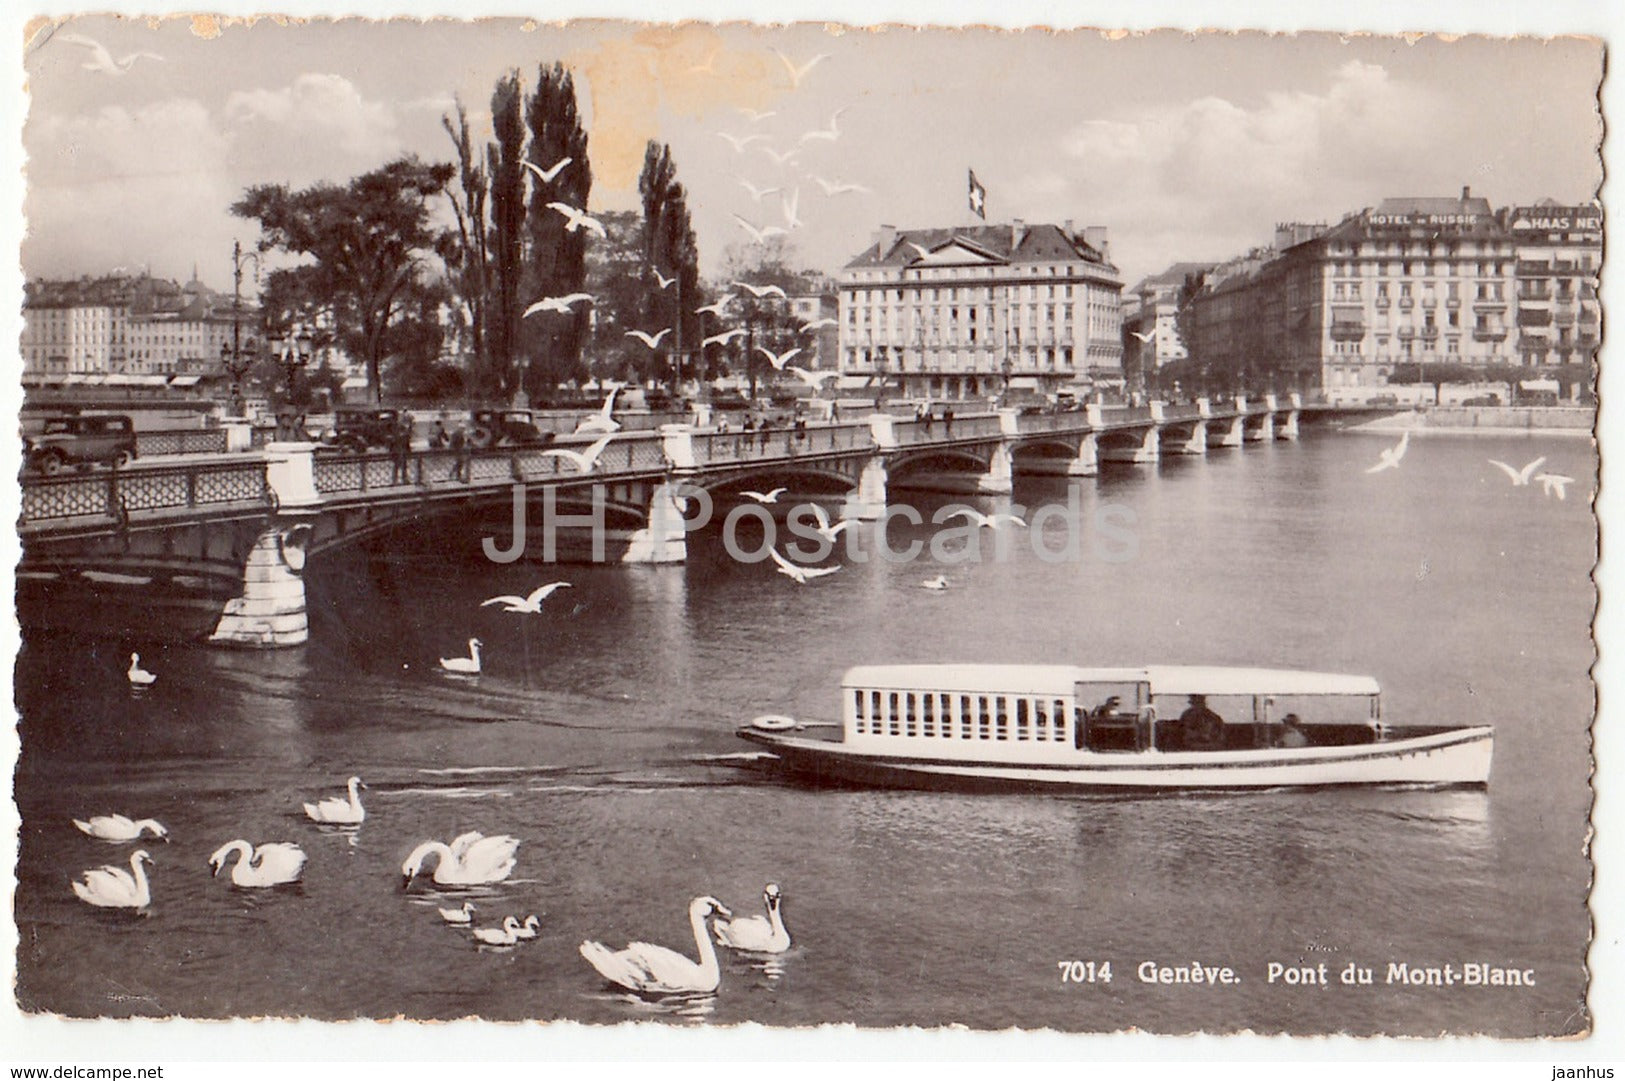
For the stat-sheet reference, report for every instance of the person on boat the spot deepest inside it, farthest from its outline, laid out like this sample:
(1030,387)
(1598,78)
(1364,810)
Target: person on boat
(1292,734)
(1200,729)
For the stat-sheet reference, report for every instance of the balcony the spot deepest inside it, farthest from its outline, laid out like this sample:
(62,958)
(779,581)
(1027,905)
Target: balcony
(1533,270)
(1563,318)
(1429,332)
(1347,330)
(1382,303)
(1489,304)
(1407,333)
(1490,334)
(1528,317)
(1405,304)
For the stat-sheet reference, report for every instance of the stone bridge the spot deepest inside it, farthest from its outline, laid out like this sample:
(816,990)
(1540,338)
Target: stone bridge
(217,547)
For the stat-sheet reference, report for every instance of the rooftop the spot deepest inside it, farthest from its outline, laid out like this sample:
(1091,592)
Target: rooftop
(1007,243)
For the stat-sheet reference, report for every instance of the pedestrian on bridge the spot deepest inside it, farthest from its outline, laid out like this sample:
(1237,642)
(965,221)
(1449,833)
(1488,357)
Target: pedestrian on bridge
(400,447)
(460,453)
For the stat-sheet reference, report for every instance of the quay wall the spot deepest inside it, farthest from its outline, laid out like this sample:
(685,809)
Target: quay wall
(1556,419)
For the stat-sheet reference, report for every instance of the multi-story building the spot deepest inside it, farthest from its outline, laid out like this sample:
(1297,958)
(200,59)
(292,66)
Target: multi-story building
(1559,252)
(1410,283)
(118,327)
(819,309)
(963,313)
(1150,329)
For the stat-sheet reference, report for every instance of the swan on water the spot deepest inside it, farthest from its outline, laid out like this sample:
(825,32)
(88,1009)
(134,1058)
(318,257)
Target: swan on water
(460,916)
(337,810)
(469,665)
(469,860)
(939,582)
(273,864)
(139,677)
(114,887)
(119,828)
(531,928)
(649,969)
(506,935)
(759,934)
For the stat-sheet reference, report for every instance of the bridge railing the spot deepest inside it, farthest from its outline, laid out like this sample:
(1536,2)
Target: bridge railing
(743,446)
(337,474)
(1074,421)
(120,492)
(1183,411)
(180,441)
(938,430)
(1124,414)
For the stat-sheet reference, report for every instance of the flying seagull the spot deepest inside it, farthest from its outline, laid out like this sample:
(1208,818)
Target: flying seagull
(716,309)
(829,134)
(799,72)
(1555,484)
(766,497)
(1390,457)
(547,175)
(760,291)
(815,380)
(1144,336)
(665,282)
(584,460)
(789,203)
(101,60)
(838,187)
(651,340)
(988,521)
(758,233)
(578,219)
(724,338)
(1519,477)
(803,575)
(740,142)
(531,604)
(755,192)
(558,304)
(777,359)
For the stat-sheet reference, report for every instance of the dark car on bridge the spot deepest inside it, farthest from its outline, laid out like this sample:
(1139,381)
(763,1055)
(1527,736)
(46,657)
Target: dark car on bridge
(358,430)
(80,440)
(507,428)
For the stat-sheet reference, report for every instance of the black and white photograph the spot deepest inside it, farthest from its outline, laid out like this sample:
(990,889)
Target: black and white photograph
(728,523)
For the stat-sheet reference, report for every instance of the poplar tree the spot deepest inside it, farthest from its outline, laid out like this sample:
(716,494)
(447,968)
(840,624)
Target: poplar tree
(506,245)
(556,262)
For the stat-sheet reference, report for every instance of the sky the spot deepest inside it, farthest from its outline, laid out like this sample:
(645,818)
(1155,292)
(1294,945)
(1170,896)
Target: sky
(1184,146)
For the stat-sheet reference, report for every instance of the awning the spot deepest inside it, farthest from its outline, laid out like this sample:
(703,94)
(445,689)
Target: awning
(185,380)
(1538,385)
(354,382)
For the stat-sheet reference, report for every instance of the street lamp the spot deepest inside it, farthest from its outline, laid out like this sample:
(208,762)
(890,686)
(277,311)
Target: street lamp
(293,352)
(238,357)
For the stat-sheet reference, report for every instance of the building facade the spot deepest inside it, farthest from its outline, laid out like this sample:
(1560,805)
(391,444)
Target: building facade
(1379,297)
(1151,339)
(1559,255)
(981,311)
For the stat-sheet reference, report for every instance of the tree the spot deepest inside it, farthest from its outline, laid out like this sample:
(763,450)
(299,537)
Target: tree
(615,278)
(670,251)
(367,240)
(557,259)
(466,252)
(504,159)
(768,321)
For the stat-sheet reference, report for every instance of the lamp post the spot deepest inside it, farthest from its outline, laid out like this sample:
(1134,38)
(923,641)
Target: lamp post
(238,357)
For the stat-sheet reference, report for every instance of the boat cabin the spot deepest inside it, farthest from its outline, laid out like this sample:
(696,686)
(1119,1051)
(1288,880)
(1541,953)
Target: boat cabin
(957,708)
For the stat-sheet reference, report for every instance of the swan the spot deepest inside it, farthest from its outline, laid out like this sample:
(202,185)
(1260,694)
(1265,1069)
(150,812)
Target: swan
(469,860)
(338,811)
(114,887)
(759,934)
(506,935)
(939,582)
(139,677)
(272,864)
(656,970)
(119,828)
(469,665)
(531,928)
(460,916)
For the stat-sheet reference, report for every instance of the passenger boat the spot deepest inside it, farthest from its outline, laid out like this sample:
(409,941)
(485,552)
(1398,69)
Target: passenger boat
(1026,727)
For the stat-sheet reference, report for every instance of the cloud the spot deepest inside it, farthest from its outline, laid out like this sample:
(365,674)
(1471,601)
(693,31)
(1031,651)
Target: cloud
(126,186)
(1215,170)
(284,130)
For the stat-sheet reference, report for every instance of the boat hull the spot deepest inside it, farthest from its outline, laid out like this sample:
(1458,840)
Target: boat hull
(1454,757)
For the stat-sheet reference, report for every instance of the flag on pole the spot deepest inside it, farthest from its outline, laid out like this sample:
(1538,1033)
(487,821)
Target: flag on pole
(978,197)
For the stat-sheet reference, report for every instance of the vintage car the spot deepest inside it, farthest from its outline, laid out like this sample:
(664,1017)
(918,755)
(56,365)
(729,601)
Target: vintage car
(81,439)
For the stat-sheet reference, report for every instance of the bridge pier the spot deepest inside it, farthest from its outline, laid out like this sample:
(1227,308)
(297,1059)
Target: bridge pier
(1288,428)
(1197,443)
(1087,463)
(270,613)
(868,501)
(1264,430)
(665,538)
(1236,433)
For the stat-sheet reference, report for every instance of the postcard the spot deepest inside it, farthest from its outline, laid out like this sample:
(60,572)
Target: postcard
(705,524)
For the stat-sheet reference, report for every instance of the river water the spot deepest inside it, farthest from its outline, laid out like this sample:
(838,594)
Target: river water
(600,735)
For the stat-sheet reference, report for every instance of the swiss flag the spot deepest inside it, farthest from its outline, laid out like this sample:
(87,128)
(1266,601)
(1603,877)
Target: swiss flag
(978,197)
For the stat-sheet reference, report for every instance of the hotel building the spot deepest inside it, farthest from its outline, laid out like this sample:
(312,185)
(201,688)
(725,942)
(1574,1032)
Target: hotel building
(965,313)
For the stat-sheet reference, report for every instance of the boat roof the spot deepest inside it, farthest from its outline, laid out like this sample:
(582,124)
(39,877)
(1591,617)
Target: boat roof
(1056,679)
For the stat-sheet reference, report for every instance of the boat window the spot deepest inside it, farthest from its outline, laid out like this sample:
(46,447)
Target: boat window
(892,717)
(910,727)
(983,721)
(875,715)
(1060,721)
(947,715)
(928,723)
(1040,720)
(1002,717)
(964,717)
(1023,721)
(857,711)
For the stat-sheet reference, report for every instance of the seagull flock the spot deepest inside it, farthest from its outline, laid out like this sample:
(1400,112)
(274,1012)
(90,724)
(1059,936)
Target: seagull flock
(1552,484)
(471,859)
